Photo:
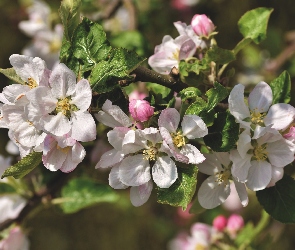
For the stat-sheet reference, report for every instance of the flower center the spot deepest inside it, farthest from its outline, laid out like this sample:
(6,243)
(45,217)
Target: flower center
(222,177)
(175,55)
(200,247)
(64,150)
(178,139)
(31,83)
(260,152)
(257,117)
(150,154)
(64,106)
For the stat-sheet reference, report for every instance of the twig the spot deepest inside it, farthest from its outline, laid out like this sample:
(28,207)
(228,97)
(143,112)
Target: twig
(170,81)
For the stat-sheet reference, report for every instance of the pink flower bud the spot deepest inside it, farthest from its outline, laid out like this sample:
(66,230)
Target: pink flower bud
(234,223)
(136,95)
(140,110)
(202,25)
(219,223)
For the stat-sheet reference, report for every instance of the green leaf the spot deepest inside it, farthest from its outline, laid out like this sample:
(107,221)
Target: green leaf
(79,193)
(281,88)
(223,134)
(253,24)
(216,95)
(219,55)
(11,74)
(24,166)
(5,188)
(199,107)
(90,44)
(279,200)
(182,191)
(189,93)
(105,75)
(243,43)
(69,12)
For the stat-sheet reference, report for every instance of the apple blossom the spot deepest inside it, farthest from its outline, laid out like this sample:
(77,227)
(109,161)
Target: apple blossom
(140,110)
(202,25)
(192,126)
(16,240)
(259,110)
(168,54)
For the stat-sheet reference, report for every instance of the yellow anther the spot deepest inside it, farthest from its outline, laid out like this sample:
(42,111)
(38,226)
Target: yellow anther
(257,117)
(31,83)
(63,106)
(175,55)
(222,177)
(150,154)
(260,153)
(64,150)
(178,139)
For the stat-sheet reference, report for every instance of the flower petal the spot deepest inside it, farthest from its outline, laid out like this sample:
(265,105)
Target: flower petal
(114,178)
(192,153)
(164,172)
(193,127)
(140,194)
(134,170)
(276,175)
(211,194)
(260,98)
(259,175)
(212,164)
(83,126)
(169,119)
(240,165)
(58,124)
(110,158)
(82,96)
(280,116)
(242,192)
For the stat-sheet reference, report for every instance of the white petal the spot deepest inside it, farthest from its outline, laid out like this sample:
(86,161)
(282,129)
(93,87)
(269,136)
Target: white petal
(242,192)
(116,136)
(211,165)
(56,124)
(110,158)
(14,91)
(82,96)
(62,81)
(280,116)
(276,175)
(259,175)
(134,170)
(107,119)
(140,194)
(260,98)
(166,135)
(117,113)
(74,157)
(164,172)
(169,119)
(211,194)
(114,179)
(244,143)
(279,153)
(152,134)
(192,153)
(83,126)
(193,127)
(28,67)
(133,141)
(52,158)
(240,165)
(237,106)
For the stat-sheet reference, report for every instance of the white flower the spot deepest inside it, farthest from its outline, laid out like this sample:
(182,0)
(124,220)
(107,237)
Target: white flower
(62,153)
(134,170)
(168,54)
(216,188)
(261,162)
(62,107)
(192,127)
(259,110)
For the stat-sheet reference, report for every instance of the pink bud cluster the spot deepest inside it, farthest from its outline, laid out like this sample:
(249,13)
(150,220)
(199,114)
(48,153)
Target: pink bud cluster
(230,225)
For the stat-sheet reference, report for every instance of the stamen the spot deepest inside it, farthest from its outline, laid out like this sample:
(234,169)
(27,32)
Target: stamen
(32,83)
(63,106)
(178,139)
(257,117)
(150,154)
(64,150)
(222,177)
(260,152)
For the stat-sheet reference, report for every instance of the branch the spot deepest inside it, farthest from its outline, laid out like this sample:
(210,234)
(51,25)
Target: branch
(170,81)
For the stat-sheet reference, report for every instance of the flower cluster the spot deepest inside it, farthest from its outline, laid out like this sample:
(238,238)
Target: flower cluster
(46,42)
(192,39)
(262,151)
(48,112)
(140,155)
(204,236)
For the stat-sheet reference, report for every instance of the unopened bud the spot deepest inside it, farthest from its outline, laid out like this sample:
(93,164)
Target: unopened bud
(202,25)
(235,223)
(140,110)
(219,223)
